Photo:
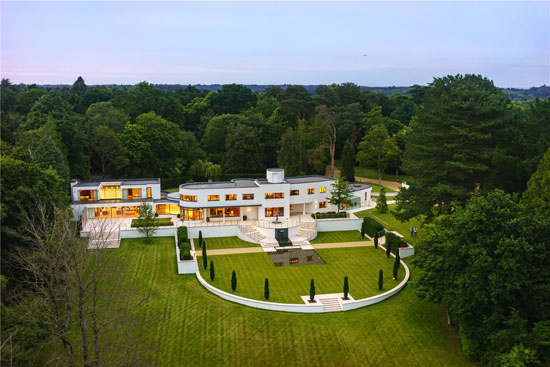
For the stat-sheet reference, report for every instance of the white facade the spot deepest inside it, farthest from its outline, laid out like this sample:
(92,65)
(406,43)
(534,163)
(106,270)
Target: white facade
(267,198)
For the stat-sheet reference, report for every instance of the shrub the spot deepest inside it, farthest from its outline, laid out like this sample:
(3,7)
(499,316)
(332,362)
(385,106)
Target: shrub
(266,289)
(204,260)
(182,234)
(179,215)
(245,217)
(380,279)
(156,214)
(212,273)
(138,223)
(185,252)
(376,241)
(200,239)
(234,281)
(346,287)
(396,264)
(363,230)
(392,242)
(372,226)
(312,290)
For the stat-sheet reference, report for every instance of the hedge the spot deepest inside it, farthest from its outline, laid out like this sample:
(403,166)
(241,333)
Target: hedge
(393,241)
(328,215)
(182,234)
(158,223)
(372,226)
(185,252)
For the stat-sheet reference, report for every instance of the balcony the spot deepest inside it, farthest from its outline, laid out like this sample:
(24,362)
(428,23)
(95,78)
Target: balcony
(110,201)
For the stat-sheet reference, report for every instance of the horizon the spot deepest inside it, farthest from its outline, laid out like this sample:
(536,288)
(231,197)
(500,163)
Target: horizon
(367,43)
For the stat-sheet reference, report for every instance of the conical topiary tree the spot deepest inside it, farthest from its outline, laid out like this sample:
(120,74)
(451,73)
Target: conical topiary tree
(212,273)
(396,265)
(200,239)
(312,291)
(363,230)
(388,246)
(380,279)
(234,281)
(204,259)
(266,289)
(346,288)
(376,241)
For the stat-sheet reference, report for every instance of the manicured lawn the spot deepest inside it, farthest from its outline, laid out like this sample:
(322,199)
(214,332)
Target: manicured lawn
(224,242)
(338,236)
(372,173)
(287,284)
(391,223)
(376,188)
(188,326)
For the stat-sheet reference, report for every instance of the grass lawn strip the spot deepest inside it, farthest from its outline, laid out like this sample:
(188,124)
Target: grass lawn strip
(224,242)
(338,236)
(391,223)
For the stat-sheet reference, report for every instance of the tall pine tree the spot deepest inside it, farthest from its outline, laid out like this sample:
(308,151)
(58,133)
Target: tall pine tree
(348,162)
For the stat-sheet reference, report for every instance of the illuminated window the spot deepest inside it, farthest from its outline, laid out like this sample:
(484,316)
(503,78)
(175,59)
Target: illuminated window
(86,195)
(231,197)
(278,265)
(232,212)
(168,209)
(109,192)
(216,212)
(148,193)
(310,258)
(365,196)
(248,196)
(294,260)
(274,195)
(192,214)
(134,193)
(275,212)
(322,204)
(311,191)
(188,197)
(213,197)
(323,189)
(294,192)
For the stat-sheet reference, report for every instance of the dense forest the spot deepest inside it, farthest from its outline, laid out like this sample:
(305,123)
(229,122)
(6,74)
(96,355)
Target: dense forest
(457,138)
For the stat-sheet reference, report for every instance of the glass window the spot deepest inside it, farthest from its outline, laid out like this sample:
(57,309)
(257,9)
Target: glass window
(323,204)
(132,193)
(311,191)
(168,209)
(278,264)
(232,212)
(323,189)
(148,193)
(86,195)
(275,212)
(294,192)
(248,196)
(188,197)
(216,212)
(231,197)
(310,258)
(213,197)
(274,195)
(293,260)
(192,214)
(109,192)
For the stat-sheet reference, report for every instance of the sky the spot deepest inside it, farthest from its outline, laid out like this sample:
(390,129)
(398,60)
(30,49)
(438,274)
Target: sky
(367,43)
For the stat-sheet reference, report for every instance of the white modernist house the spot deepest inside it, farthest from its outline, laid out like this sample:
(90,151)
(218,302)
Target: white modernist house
(102,199)
(263,198)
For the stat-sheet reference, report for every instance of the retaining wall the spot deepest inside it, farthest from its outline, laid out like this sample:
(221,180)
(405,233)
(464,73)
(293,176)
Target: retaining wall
(214,231)
(134,233)
(331,225)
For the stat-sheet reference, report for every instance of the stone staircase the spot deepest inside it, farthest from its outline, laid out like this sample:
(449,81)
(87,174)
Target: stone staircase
(251,232)
(308,228)
(330,304)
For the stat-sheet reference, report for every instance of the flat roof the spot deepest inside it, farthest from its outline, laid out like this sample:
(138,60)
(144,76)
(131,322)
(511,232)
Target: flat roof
(128,181)
(357,186)
(235,183)
(308,179)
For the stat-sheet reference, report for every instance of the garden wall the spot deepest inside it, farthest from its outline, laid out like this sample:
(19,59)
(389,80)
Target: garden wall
(134,233)
(185,266)
(214,231)
(330,225)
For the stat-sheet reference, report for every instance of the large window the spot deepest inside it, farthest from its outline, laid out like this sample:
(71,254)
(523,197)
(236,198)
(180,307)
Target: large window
(274,195)
(149,193)
(275,212)
(216,212)
(294,192)
(213,197)
(248,196)
(231,197)
(116,212)
(323,189)
(168,209)
(192,214)
(188,197)
(134,193)
(109,192)
(86,195)
(232,212)
(311,191)
(322,204)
